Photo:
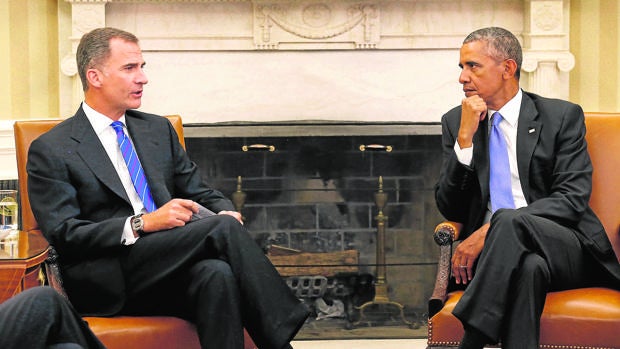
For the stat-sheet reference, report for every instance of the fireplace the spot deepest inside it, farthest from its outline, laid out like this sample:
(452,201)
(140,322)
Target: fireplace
(315,194)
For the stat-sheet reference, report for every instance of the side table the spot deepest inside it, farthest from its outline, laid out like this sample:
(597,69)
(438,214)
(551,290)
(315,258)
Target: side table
(20,263)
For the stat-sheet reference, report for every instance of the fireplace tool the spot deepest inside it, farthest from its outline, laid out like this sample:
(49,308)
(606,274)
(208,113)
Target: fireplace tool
(381,297)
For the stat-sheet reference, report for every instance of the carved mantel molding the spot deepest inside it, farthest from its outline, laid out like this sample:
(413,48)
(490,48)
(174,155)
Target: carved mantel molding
(316,22)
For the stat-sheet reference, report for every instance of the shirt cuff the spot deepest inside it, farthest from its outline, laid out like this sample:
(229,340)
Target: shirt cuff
(464,155)
(128,238)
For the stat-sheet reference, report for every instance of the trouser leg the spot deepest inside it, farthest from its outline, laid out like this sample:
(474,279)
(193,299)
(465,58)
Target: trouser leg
(522,324)
(269,310)
(214,293)
(40,318)
(512,236)
(272,315)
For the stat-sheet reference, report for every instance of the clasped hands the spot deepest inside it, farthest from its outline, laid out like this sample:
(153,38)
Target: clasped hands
(466,254)
(176,213)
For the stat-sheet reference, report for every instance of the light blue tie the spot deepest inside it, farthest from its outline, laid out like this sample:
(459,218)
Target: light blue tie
(499,185)
(135,168)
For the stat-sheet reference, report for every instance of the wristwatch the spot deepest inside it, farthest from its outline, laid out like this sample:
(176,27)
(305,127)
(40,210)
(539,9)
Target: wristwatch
(137,224)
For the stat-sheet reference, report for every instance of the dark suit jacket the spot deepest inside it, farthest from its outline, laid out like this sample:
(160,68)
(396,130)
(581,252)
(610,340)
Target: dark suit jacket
(81,205)
(554,169)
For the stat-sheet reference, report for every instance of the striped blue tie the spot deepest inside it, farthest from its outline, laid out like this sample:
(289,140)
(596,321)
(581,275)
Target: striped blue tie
(133,165)
(500,184)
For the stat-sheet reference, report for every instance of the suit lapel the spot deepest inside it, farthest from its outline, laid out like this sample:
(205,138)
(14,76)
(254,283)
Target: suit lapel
(92,153)
(528,132)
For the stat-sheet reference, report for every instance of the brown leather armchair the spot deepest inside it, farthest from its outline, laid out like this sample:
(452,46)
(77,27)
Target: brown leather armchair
(573,319)
(114,332)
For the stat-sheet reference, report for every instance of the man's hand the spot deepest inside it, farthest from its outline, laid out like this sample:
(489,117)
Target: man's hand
(473,110)
(175,213)
(235,214)
(466,254)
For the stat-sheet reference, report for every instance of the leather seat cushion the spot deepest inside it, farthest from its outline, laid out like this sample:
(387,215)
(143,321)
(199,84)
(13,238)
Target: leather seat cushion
(144,332)
(580,318)
(148,332)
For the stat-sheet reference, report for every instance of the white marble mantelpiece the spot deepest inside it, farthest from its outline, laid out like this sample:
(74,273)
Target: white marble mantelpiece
(338,60)
(327,60)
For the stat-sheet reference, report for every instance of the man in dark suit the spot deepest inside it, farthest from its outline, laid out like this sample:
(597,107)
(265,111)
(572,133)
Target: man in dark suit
(136,248)
(40,318)
(545,237)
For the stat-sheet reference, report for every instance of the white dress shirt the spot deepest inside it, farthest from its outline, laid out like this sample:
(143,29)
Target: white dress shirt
(508,126)
(107,136)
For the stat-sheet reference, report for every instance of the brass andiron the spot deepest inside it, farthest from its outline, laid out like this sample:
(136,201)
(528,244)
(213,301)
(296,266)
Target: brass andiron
(238,197)
(381,297)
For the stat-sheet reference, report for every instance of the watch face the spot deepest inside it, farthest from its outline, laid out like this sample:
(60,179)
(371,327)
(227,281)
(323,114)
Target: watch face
(137,223)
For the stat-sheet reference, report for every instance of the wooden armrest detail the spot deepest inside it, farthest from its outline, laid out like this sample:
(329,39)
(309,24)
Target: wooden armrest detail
(445,233)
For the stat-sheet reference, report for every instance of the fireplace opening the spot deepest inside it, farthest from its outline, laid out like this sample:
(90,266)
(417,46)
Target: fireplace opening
(309,202)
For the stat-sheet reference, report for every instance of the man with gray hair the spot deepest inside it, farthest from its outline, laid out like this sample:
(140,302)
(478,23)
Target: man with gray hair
(137,229)
(516,172)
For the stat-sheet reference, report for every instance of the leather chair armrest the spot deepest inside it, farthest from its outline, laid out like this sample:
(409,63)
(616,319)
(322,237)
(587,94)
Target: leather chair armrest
(445,234)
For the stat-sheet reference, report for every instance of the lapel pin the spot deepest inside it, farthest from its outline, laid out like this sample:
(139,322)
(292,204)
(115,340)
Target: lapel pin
(532,130)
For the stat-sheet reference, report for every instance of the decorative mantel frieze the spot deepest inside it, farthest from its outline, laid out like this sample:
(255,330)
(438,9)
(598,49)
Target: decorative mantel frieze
(338,24)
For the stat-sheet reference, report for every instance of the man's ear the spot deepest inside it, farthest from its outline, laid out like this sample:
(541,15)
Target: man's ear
(94,77)
(510,68)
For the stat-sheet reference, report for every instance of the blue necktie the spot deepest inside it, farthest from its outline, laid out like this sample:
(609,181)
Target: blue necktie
(133,165)
(500,186)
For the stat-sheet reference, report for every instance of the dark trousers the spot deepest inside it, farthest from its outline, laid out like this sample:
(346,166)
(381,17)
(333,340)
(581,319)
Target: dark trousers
(213,273)
(39,318)
(523,258)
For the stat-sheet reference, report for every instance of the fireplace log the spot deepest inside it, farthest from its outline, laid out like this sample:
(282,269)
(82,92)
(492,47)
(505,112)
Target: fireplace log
(322,263)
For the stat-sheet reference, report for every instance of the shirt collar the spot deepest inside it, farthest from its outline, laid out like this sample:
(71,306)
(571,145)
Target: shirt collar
(99,121)
(510,111)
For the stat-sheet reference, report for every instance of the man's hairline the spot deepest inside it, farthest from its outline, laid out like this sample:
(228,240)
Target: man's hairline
(488,49)
(106,56)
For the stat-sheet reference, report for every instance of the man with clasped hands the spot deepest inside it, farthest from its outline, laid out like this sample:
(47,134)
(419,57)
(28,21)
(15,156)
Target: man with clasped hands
(544,237)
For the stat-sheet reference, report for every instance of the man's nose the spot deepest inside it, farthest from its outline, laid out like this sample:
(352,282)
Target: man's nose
(141,78)
(464,77)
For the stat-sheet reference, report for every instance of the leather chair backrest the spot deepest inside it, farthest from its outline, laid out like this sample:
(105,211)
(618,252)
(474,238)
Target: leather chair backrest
(602,130)
(27,131)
